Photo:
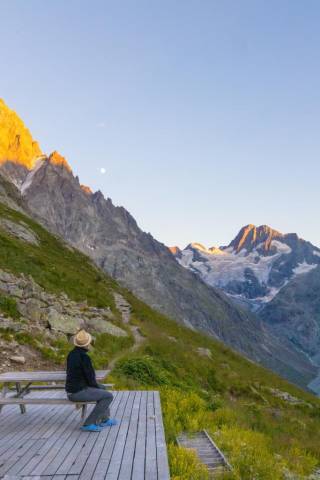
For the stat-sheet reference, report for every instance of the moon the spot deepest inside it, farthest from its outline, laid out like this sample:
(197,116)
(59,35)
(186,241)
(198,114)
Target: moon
(103,170)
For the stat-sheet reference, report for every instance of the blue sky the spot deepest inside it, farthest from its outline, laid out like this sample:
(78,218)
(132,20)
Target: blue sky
(205,114)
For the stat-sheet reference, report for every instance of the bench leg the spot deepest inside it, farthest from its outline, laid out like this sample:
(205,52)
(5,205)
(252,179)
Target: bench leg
(19,394)
(4,393)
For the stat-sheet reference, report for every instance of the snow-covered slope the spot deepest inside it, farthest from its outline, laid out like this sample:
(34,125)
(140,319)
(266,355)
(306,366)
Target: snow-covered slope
(254,266)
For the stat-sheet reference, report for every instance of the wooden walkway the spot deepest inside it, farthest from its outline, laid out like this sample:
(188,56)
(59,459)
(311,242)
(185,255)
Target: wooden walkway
(46,443)
(206,449)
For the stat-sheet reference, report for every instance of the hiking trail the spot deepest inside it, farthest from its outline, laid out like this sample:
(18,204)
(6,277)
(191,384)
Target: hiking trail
(124,307)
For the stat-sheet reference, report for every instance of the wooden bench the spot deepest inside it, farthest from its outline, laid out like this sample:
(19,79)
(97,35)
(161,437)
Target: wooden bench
(55,386)
(53,380)
(45,401)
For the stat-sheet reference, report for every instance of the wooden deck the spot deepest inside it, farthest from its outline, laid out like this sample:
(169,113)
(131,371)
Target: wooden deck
(46,443)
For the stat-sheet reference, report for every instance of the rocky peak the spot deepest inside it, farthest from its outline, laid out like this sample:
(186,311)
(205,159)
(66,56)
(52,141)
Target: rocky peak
(175,250)
(87,190)
(251,236)
(16,142)
(56,159)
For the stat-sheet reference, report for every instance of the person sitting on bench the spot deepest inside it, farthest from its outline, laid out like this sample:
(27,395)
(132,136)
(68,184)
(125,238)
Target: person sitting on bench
(82,386)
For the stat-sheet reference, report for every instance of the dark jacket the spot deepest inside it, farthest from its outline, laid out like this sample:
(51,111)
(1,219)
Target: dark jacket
(80,372)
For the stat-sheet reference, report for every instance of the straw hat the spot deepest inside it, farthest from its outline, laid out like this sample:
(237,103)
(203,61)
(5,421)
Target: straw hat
(82,339)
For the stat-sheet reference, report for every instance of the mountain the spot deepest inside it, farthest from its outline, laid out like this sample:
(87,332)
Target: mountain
(294,314)
(52,195)
(255,266)
(48,289)
(277,275)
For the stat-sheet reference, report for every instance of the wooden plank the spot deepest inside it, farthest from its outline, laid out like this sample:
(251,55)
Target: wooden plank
(59,440)
(20,452)
(140,447)
(40,401)
(71,441)
(104,460)
(26,457)
(15,422)
(30,478)
(218,450)
(19,424)
(42,376)
(86,453)
(62,450)
(114,459)
(85,441)
(57,386)
(162,455)
(52,435)
(14,442)
(9,416)
(125,441)
(102,440)
(129,448)
(151,450)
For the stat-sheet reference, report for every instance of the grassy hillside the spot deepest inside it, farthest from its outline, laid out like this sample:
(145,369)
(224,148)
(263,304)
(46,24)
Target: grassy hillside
(266,426)
(206,385)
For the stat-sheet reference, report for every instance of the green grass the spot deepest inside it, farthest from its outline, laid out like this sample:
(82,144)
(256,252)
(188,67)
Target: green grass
(227,394)
(107,347)
(185,464)
(8,306)
(56,350)
(53,265)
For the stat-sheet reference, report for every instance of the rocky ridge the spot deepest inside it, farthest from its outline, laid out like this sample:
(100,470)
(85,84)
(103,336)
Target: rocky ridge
(52,316)
(40,309)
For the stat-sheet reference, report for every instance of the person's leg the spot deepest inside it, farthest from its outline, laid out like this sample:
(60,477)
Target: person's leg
(101,411)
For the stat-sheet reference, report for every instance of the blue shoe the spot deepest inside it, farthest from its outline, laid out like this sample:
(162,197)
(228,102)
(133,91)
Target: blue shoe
(109,423)
(91,428)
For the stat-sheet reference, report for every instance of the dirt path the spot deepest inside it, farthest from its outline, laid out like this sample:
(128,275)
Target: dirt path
(124,308)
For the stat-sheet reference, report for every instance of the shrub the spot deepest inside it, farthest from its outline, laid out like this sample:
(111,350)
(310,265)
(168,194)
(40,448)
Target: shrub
(8,306)
(214,401)
(185,465)
(250,454)
(57,351)
(183,412)
(143,370)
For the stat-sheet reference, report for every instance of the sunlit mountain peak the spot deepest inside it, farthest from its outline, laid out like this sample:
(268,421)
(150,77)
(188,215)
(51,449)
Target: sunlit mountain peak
(56,159)
(16,142)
